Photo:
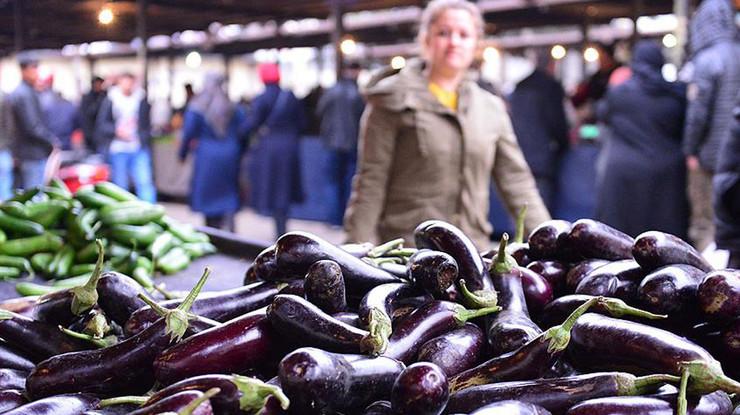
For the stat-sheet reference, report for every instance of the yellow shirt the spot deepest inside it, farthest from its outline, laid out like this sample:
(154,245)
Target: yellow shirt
(446,98)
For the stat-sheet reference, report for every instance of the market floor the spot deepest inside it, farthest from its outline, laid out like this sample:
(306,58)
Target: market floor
(258,227)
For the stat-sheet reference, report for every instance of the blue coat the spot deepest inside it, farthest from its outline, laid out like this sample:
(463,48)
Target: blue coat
(277,118)
(214,187)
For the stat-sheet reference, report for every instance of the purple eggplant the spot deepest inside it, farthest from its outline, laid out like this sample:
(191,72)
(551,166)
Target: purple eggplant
(580,270)
(119,296)
(600,342)
(11,399)
(558,310)
(216,305)
(719,295)
(39,340)
(512,327)
(593,239)
(238,394)
(295,287)
(13,379)
(549,240)
(317,381)
(442,236)
(324,286)
(264,268)
(348,317)
(11,358)
(717,403)
(306,325)
(420,389)
(671,290)
(655,249)
(553,271)
(195,401)
(247,342)
(20,305)
(70,404)
(537,290)
(511,408)
(454,351)
(731,343)
(618,279)
(116,409)
(432,271)
(379,408)
(558,394)
(295,252)
(125,367)
(426,323)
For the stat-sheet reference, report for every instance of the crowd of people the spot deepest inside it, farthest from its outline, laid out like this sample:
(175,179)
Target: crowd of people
(426,141)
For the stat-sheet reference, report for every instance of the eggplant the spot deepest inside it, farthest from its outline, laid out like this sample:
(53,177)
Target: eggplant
(454,351)
(264,268)
(549,240)
(553,271)
(216,305)
(510,407)
(731,343)
(655,249)
(295,252)
(379,408)
(558,394)
(518,249)
(420,389)
(358,250)
(593,239)
(125,367)
(558,310)
(442,236)
(318,382)
(304,324)
(324,286)
(69,404)
(294,287)
(426,323)
(618,279)
(237,395)
(512,327)
(537,290)
(193,400)
(348,317)
(20,305)
(11,399)
(13,379)
(719,295)
(117,409)
(11,358)
(39,340)
(717,403)
(600,342)
(671,290)
(580,270)
(432,271)
(118,296)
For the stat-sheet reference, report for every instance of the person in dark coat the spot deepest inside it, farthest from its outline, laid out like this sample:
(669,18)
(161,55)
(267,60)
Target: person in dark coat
(89,107)
(716,79)
(538,117)
(644,182)
(277,118)
(726,184)
(62,117)
(211,127)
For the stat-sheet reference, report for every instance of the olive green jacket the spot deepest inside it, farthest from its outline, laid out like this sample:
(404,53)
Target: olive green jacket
(418,160)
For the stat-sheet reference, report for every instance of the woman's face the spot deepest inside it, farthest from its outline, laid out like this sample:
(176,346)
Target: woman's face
(452,40)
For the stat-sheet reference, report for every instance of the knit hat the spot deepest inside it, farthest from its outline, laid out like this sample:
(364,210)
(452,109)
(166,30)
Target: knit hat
(269,73)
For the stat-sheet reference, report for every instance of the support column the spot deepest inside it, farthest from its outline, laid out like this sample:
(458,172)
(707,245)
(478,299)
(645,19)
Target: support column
(18,26)
(141,54)
(336,35)
(681,11)
(638,9)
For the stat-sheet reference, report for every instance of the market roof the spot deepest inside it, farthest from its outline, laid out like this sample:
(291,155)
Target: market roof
(52,24)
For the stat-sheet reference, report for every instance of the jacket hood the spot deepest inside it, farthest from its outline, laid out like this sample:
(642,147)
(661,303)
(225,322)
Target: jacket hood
(713,21)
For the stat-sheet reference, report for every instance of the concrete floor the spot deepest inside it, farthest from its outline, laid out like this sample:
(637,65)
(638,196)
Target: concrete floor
(258,227)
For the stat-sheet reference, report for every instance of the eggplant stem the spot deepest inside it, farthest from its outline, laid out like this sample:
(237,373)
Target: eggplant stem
(193,294)
(619,308)
(99,343)
(645,384)
(160,289)
(380,329)
(519,235)
(192,406)
(503,263)
(383,248)
(559,336)
(161,311)
(707,377)
(123,400)
(6,315)
(85,296)
(479,298)
(255,393)
(463,314)
(682,404)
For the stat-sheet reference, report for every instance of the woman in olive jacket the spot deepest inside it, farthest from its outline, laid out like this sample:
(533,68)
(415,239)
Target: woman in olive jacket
(431,139)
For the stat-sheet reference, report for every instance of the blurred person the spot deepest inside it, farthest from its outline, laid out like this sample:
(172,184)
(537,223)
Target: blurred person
(715,55)
(89,107)
(33,142)
(6,156)
(644,183)
(62,117)
(124,135)
(431,139)
(538,116)
(211,131)
(340,110)
(277,119)
(593,89)
(726,184)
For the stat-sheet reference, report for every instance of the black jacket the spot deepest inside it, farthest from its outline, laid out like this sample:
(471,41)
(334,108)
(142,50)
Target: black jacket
(105,125)
(726,184)
(32,138)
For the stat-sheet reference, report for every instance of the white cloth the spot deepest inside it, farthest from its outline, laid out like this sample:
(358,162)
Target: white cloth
(126,116)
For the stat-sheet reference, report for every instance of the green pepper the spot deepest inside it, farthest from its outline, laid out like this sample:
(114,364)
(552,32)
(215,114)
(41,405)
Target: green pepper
(25,195)
(173,261)
(162,244)
(92,199)
(9,273)
(114,191)
(48,213)
(79,269)
(18,226)
(131,213)
(26,247)
(143,271)
(89,252)
(40,262)
(17,262)
(3,236)
(60,187)
(135,235)
(30,288)
(62,262)
(199,249)
(184,232)
(15,209)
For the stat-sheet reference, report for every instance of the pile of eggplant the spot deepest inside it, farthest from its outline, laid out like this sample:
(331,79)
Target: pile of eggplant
(581,319)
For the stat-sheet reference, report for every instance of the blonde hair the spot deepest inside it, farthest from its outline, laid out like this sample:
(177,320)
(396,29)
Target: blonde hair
(436,7)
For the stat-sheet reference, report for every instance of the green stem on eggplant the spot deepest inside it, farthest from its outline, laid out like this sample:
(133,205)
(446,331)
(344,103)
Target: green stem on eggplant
(86,296)
(619,308)
(401,252)
(97,342)
(682,404)
(123,400)
(559,336)
(519,234)
(462,315)
(503,263)
(380,328)
(707,377)
(646,384)
(166,294)
(255,394)
(381,249)
(192,406)
(478,298)
(6,315)
(97,326)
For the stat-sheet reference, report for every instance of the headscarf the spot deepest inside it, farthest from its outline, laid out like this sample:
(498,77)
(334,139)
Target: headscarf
(647,63)
(213,103)
(269,73)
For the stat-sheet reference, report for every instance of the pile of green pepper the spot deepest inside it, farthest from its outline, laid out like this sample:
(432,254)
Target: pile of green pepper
(50,231)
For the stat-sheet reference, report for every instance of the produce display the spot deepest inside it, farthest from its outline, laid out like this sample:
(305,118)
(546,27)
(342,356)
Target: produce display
(580,319)
(51,232)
